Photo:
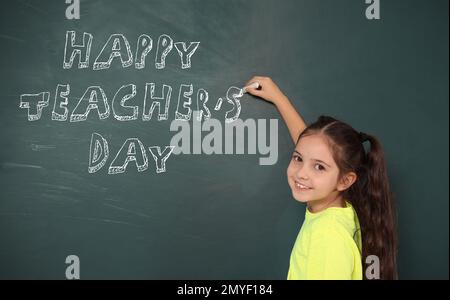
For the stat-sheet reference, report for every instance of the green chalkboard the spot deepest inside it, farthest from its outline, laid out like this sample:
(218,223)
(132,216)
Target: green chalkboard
(206,215)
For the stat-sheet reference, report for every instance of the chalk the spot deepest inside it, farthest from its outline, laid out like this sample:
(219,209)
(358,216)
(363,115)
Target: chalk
(254,85)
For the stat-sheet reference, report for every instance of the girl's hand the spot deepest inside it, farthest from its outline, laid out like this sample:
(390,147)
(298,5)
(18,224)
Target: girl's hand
(268,90)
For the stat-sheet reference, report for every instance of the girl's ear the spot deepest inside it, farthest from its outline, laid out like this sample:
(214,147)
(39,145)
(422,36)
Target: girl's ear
(346,181)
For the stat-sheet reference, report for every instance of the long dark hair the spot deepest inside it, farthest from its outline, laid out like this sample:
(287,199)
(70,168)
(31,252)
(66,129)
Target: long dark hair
(370,194)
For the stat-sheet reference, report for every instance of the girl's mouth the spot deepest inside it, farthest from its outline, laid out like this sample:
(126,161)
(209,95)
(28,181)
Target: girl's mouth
(301,187)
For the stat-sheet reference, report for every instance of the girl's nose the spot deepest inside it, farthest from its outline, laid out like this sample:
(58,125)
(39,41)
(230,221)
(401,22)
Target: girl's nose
(301,172)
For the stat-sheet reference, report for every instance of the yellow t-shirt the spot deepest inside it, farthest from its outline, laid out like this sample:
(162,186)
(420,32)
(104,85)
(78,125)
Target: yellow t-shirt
(328,246)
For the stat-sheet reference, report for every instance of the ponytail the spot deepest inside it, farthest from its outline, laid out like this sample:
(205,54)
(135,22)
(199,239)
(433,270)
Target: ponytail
(376,211)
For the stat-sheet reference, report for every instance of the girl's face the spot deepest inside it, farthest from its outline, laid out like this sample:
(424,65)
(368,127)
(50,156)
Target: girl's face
(312,173)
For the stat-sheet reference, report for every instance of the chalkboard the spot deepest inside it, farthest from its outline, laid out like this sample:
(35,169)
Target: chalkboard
(206,215)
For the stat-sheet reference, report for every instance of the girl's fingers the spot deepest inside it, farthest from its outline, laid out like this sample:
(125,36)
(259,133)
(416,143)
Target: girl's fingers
(255,79)
(254,92)
(266,90)
(250,81)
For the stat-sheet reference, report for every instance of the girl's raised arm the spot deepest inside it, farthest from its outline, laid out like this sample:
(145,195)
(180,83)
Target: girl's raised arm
(270,92)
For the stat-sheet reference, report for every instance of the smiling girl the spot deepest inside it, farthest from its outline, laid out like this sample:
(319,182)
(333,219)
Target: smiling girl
(350,217)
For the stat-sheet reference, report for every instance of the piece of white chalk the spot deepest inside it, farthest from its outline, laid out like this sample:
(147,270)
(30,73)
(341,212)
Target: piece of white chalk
(253,85)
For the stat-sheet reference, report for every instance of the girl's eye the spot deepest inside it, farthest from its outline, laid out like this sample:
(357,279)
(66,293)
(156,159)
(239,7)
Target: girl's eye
(319,167)
(297,158)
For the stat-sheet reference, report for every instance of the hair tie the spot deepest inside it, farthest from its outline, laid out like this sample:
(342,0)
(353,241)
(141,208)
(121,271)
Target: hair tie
(363,137)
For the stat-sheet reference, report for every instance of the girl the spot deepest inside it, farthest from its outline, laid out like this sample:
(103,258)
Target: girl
(350,219)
